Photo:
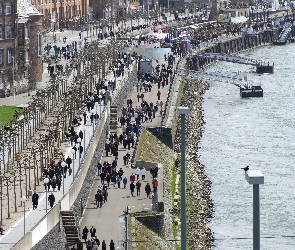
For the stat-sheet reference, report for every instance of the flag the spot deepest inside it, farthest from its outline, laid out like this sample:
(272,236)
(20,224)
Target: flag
(53,17)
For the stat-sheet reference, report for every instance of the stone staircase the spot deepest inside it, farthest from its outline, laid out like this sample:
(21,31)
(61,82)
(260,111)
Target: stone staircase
(70,228)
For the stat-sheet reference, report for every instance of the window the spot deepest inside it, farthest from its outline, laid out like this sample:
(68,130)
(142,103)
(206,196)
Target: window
(27,55)
(1,35)
(8,32)
(39,45)
(26,32)
(9,56)
(8,8)
(21,58)
(0,8)
(1,56)
(20,33)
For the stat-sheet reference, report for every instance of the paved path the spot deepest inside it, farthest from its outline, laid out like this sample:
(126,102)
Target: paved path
(109,220)
(16,231)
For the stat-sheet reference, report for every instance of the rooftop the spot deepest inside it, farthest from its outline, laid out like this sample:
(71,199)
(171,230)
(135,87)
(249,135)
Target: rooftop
(25,8)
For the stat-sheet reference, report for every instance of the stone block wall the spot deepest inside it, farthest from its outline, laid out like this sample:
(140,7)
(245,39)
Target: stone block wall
(154,222)
(163,134)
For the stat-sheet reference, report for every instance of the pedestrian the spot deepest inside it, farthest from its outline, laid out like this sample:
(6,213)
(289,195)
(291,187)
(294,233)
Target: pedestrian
(35,198)
(138,97)
(85,233)
(132,187)
(143,172)
(147,189)
(70,171)
(103,245)
(100,199)
(92,231)
(118,180)
(137,173)
(112,245)
(125,182)
(51,199)
(97,199)
(138,186)
(155,184)
(159,94)
(69,162)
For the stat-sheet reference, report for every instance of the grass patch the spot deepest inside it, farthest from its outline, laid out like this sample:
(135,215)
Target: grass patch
(7,113)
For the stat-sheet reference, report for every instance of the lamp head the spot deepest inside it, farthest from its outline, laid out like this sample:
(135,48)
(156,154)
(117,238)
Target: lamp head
(73,151)
(24,199)
(46,180)
(79,140)
(63,164)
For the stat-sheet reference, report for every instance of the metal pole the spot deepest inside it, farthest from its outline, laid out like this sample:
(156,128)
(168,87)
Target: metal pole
(25,218)
(63,181)
(79,156)
(126,228)
(1,201)
(46,197)
(13,80)
(73,167)
(100,108)
(84,142)
(183,185)
(256,218)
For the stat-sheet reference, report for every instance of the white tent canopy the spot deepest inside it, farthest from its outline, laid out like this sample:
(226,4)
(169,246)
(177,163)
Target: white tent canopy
(239,19)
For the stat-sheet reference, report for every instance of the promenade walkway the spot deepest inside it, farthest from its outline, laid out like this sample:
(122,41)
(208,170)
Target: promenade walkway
(16,231)
(109,220)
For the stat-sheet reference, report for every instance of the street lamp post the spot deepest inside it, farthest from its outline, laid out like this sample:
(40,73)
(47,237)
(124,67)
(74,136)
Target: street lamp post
(13,79)
(63,165)
(255,178)
(84,137)
(96,105)
(79,141)
(183,111)
(73,151)
(106,89)
(46,180)
(24,199)
(99,106)
(92,113)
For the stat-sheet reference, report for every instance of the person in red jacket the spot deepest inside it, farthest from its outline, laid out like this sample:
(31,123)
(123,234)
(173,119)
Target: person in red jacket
(132,177)
(159,94)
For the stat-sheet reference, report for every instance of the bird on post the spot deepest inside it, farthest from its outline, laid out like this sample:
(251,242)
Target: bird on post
(246,168)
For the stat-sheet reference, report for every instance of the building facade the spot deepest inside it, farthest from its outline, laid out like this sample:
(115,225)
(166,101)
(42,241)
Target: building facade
(67,12)
(20,46)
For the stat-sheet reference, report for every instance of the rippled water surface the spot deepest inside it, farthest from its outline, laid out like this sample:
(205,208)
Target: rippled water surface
(258,132)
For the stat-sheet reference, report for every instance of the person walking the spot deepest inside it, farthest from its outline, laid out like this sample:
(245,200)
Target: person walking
(147,190)
(35,198)
(137,173)
(51,200)
(85,233)
(155,184)
(92,231)
(159,94)
(112,245)
(125,182)
(69,162)
(138,186)
(132,187)
(143,172)
(103,245)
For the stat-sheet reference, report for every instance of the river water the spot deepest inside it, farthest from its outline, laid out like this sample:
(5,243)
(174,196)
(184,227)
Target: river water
(258,132)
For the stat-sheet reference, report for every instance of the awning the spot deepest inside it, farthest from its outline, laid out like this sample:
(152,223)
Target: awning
(227,20)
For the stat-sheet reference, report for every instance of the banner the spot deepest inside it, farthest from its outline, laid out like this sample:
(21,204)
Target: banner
(53,19)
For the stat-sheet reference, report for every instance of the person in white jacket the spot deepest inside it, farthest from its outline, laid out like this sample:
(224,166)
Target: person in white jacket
(143,172)
(137,172)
